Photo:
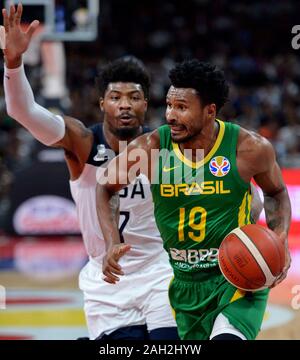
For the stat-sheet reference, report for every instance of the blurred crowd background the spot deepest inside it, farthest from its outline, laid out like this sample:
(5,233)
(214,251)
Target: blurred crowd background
(250,40)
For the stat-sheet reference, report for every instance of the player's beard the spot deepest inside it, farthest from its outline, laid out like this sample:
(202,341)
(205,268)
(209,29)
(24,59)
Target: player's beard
(126,133)
(182,140)
(191,134)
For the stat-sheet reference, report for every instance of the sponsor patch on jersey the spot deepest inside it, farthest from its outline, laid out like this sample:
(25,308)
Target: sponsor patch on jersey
(219,166)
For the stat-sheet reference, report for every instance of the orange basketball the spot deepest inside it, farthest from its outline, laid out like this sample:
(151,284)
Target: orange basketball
(251,257)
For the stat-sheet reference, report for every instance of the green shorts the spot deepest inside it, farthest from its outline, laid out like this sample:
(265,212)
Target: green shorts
(198,298)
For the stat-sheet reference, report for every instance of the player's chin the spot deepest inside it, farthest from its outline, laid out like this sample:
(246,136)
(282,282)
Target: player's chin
(179,134)
(179,137)
(127,131)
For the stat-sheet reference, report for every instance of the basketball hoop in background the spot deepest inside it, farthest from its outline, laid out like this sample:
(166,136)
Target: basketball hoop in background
(51,54)
(60,21)
(75,20)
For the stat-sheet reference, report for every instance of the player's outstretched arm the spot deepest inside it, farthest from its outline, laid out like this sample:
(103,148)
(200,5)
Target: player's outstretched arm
(45,126)
(120,172)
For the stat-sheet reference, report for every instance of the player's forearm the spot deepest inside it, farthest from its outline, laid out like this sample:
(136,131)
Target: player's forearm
(44,126)
(278,211)
(256,204)
(108,215)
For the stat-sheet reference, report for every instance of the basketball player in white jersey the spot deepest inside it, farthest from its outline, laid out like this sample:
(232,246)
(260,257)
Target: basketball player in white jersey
(138,306)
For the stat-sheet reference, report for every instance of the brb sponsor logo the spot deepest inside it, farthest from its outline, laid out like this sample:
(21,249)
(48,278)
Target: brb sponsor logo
(197,258)
(296,38)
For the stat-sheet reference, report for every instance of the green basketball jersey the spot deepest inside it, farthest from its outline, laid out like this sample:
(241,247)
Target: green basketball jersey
(198,204)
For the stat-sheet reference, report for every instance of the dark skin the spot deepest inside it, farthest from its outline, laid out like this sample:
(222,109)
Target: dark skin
(193,126)
(124,104)
(120,99)
(182,108)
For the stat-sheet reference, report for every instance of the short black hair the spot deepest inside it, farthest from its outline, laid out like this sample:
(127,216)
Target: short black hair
(125,69)
(204,77)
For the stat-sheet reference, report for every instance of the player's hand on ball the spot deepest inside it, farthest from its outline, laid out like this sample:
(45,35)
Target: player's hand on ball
(16,40)
(283,275)
(111,268)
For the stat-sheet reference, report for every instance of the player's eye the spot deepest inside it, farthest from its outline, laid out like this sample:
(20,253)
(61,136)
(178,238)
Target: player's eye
(181,107)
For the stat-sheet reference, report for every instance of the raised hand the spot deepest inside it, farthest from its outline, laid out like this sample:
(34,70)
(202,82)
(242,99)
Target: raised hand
(16,40)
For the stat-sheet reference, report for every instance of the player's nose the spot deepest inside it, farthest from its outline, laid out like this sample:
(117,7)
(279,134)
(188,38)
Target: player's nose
(171,116)
(124,104)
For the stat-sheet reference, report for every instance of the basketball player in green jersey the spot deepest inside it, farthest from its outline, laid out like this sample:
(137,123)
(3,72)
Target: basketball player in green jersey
(197,208)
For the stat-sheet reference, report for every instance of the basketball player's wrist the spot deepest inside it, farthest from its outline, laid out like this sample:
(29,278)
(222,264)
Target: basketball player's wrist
(13,70)
(282,234)
(13,63)
(111,245)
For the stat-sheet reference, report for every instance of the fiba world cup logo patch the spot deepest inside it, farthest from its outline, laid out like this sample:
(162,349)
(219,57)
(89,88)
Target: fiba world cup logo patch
(219,166)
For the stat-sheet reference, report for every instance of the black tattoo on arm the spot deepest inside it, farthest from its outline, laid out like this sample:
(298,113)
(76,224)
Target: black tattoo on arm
(114,204)
(278,210)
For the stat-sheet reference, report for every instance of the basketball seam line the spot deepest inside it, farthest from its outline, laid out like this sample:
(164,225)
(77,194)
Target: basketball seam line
(240,273)
(259,253)
(270,278)
(263,229)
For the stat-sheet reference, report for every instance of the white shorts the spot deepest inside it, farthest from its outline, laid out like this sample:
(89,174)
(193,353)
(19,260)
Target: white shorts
(223,326)
(138,298)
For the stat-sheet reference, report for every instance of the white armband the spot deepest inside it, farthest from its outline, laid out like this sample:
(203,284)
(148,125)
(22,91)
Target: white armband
(45,126)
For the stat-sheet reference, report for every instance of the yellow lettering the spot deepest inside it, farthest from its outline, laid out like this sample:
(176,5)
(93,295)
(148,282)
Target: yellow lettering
(167,190)
(217,187)
(208,187)
(181,224)
(201,213)
(194,189)
(180,188)
(222,190)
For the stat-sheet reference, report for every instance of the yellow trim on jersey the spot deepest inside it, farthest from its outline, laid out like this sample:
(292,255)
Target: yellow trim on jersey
(237,295)
(197,164)
(172,310)
(244,210)
(249,208)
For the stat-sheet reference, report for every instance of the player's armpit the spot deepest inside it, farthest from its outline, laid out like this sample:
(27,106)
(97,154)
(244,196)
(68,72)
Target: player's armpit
(77,140)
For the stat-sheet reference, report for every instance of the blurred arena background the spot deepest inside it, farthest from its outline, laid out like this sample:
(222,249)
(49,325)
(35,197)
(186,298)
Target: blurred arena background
(41,252)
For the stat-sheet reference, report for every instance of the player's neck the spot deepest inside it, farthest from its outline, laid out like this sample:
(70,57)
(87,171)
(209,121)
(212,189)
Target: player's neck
(114,141)
(205,140)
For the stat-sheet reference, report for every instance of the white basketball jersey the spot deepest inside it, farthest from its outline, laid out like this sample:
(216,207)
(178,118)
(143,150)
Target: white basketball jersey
(137,224)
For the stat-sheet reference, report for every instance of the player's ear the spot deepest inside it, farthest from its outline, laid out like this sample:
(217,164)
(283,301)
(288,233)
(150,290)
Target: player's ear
(146,104)
(211,110)
(101,101)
